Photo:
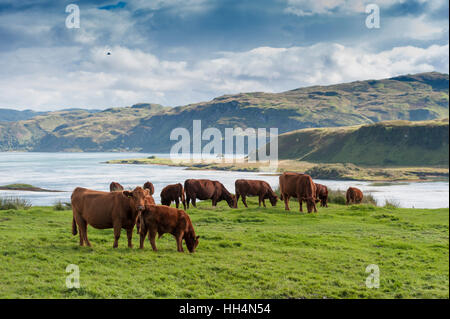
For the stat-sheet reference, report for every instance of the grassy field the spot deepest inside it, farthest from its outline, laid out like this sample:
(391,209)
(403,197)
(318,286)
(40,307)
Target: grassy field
(243,253)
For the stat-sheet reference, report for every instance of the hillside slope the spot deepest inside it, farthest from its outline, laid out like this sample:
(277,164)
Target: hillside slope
(147,127)
(392,143)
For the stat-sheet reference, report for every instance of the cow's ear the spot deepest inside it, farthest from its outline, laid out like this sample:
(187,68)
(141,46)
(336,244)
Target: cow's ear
(127,193)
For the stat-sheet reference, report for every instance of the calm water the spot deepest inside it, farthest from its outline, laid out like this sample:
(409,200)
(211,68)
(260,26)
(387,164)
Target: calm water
(65,171)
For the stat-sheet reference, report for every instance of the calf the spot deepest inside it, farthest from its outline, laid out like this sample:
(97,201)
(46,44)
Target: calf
(322,195)
(353,195)
(115,187)
(163,219)
(246,187)
(150,187)
(206,189)
(173,192)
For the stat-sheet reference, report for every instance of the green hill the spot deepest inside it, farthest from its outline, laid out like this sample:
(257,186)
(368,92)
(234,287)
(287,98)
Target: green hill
(392,143)
(147,127)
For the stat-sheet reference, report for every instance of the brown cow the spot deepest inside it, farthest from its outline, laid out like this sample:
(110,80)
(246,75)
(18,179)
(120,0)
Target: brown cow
(288,186)
(206,189)
(115,187)
(163,219)
(247,187)
(106,210)
(149,200)
(150,187)
(173,192)
(322,195)
(354,195)
(300,186)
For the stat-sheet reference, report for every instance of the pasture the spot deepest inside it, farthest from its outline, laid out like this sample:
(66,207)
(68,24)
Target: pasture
(243,253)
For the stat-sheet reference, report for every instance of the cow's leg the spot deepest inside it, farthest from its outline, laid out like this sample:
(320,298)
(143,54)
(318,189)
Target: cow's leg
(179,238)
(141,240)
(244,200)
(82,227)
(237,198)
(259,201)
(130,237)
(151,238)
(117,229)
(188,199)
(193,202)
(177,202)
(286,202)
(264,202)
(80,222)
(314,205)
(300,204)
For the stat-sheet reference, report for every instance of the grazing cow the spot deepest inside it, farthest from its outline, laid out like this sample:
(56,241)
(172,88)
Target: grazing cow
(206,189)
(173,192)
(150,187)
(106,210)
(322,195)
(246,187)
(163,219)
(115,187)
(354,195)
(300,186)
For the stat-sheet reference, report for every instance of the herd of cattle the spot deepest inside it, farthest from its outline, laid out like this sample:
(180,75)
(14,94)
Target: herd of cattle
(123,209)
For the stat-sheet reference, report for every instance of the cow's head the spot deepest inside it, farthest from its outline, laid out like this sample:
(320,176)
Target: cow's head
(191,241)
(137,197)
(310,203)
(231,200)
(273,199)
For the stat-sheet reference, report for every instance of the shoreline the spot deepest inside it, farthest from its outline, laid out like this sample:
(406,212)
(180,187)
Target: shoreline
(331,171)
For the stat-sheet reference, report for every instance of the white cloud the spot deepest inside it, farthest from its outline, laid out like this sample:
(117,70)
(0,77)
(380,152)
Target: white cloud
(44,79)
(311,7)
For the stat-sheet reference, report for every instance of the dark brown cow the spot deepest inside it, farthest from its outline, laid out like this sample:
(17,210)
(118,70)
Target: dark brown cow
(322,195)
(150,187)
(300,186)
(173,192)
(206,189)
(115,187)
(163,219)
(354,195)
(106,210)
(247,187)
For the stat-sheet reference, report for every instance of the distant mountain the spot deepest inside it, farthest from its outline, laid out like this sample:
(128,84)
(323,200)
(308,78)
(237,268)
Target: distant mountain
(7,115)
(391,143)
(147,127)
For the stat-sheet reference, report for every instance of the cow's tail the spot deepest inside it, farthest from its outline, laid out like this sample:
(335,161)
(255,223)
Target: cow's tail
(74,227)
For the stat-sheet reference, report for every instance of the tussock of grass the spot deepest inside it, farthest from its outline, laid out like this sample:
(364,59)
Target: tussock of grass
(14,203)
(60,206)
(273,254)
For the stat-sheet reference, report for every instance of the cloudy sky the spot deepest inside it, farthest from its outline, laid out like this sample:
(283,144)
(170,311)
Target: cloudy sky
(176,52)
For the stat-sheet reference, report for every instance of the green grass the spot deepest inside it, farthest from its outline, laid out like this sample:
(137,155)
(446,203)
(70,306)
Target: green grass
(243,253)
